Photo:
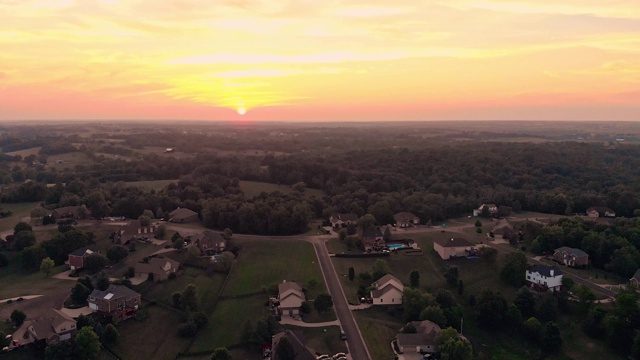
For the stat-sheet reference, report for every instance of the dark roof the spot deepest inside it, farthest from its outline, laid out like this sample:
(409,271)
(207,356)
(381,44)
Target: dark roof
(82,251)
(157,266)
(296,339)
(426,332)
(636,275)
(404,216)
(572,251)
(182,213)
(118,291)
(72,210)
(348,217)
(372,232)
(453,242)
(545,270)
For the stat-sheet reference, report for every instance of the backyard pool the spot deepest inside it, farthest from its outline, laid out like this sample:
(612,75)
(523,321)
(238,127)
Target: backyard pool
(396,246)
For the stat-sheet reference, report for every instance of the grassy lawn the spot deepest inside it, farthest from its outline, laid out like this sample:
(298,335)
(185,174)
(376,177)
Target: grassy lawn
(208,288)
(227,321)
(17,282)
(264,264)
(152,184)
(19,211)
(335,246)
(378,329)
(154,338)
(315,317)
(254,188)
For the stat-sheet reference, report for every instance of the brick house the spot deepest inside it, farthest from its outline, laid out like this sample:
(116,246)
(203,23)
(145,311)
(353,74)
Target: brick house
(209,242)
(372,239)
(406,219)
(76,258)
(571,257)
(117,301)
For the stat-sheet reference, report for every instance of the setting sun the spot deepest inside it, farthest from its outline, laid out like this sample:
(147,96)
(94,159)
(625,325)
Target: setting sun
(242,110)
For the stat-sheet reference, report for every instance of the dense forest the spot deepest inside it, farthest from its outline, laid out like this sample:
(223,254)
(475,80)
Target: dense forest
(380,170)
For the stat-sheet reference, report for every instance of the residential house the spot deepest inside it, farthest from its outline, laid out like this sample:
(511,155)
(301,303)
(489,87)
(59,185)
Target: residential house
(296,339)
(76,258)
(158,268)
(600,211)
(134,230)
(452,247)
(503,229)
(372,239)
(544,277)
(422,341)
(387,291)
(571,257)
(635,279)
(71,212)
(53,326)
(117,301)
(209,242)
(342,220)
(183,215)
(290,298)
(493,210)
(406,219)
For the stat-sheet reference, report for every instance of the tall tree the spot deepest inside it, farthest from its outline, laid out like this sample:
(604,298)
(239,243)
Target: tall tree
(88,344)
(46,265)
(414,279)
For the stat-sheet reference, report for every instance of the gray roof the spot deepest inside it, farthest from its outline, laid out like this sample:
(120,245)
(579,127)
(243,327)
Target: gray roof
(426,332)
(404,216)
(296,339)
(156,266)
(82,251)
(572,251)
(453,242)
(545,270)
(636,275)
(118,291)
(181,213)
(289,285)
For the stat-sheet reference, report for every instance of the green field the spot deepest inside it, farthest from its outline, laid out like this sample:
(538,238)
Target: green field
(378,329)
(69,161)
(254,188)
(26,152)
(263,264)
(324,340)
(17,282)
(154,338)
(19,210)
(156,185)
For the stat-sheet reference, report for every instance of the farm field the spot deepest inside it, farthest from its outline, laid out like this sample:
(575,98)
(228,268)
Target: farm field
(26,152)
(17,282)
(69,161)
(254,188)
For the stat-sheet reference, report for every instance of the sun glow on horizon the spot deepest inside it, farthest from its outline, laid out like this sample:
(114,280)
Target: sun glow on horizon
(333,61)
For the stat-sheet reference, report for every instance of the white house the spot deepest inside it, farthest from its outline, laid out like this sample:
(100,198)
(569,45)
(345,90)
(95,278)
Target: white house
(387,291)
(544,277)
(493,209)
(291,297)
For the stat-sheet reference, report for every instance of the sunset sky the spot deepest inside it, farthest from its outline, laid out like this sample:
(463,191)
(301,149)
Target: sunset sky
(331,60)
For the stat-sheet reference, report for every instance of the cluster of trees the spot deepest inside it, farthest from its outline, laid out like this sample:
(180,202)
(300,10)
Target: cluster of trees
(193,320)
(613,247)
(443,310)
(87,343)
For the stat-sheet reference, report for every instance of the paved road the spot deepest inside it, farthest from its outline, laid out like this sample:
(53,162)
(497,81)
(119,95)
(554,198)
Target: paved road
(357,348)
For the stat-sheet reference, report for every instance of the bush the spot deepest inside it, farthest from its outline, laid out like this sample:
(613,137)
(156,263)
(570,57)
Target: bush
(188,329)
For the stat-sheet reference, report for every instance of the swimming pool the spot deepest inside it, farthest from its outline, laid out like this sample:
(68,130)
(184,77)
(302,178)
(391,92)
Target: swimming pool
(396,246)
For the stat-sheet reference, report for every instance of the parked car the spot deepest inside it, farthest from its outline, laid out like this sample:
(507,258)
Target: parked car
(343,335)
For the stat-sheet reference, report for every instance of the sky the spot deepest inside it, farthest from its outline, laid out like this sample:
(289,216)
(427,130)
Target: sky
(330,60)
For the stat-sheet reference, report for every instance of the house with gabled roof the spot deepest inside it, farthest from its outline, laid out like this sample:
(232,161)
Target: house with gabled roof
(372,239)
(543,277)
(453,247)
(405,219)
(158,268)
(290,298)
(54,326)
(492,208)
(342,220)
(134,230)
(297,341)
(387,291)
(183,215)
(504,229)
(76,258)
(571,257)
(422,341)
(635,279)
(117,301)
(600,211)
(209,242)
